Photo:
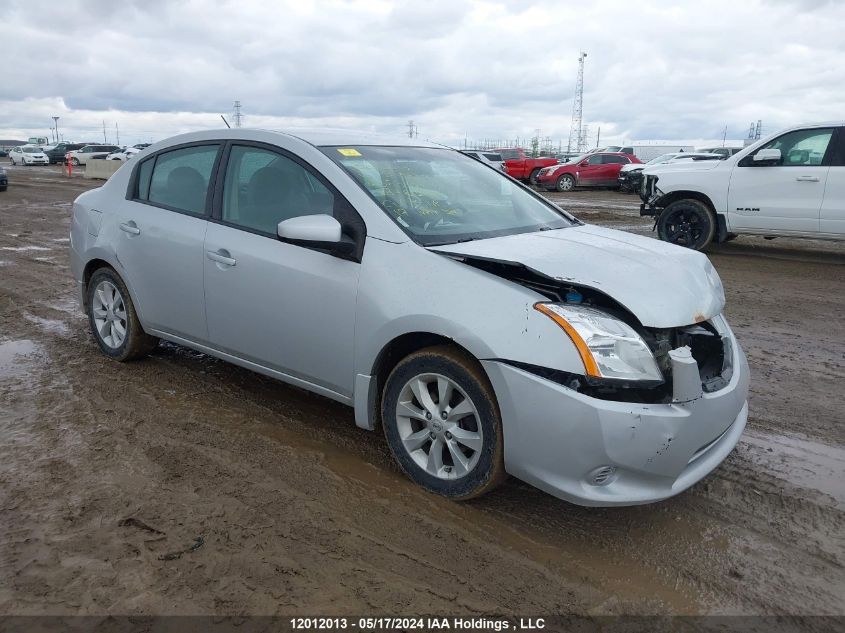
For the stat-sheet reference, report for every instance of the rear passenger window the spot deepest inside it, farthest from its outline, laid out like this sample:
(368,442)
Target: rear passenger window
(180,178)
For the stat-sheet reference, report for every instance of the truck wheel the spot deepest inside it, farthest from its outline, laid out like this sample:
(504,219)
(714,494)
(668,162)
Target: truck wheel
(532,178)
(565,183)
(687,223)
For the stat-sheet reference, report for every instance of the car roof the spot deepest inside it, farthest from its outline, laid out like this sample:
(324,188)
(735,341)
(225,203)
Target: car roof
(312,136)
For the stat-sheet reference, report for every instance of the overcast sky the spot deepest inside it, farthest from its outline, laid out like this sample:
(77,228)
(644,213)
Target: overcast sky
(482,70)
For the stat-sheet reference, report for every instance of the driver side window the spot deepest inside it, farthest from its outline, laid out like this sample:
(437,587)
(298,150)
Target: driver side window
(802,148)
(263,188)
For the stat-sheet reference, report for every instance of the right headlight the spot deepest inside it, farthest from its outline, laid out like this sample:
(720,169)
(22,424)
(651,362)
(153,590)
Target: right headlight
(609,348)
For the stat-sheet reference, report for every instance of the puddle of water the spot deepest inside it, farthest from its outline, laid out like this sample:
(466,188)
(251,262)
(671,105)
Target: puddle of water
(19,249)
(61,239)
(802,462)
(11,355)
(53,326)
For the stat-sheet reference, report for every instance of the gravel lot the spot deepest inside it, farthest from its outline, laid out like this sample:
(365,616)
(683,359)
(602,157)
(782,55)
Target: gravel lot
(109,473)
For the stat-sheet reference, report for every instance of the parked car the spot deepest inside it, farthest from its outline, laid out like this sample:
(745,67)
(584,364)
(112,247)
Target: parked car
(3,153)
(4,179)
(459,311)
(791,184)
(28,155)
(492,158)
(592,170)
(90,152)
(724,152)
(521,166)
(630,176)
(123,154)
(57,153)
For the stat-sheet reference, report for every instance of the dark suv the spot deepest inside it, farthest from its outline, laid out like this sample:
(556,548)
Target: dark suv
(57,154)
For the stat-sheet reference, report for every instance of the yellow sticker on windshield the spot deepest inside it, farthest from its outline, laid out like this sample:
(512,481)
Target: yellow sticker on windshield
(349,152)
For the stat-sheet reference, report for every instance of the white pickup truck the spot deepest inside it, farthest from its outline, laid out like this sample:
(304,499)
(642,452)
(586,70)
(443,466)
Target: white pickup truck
(791,184)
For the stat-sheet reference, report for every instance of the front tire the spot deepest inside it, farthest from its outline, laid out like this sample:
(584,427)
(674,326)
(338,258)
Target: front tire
(688,223)
(75,161)
(113,320)
(442,423)
(565,183)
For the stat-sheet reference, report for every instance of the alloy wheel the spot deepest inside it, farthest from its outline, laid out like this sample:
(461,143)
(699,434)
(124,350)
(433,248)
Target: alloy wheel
(685,228)
(439,426)
(109,313)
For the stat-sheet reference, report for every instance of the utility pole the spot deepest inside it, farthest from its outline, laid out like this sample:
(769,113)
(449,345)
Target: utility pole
(725,136)
(237,116)
(598,138)
(576,131)
(412,129)
(105,140)
(56,125)
(117,132)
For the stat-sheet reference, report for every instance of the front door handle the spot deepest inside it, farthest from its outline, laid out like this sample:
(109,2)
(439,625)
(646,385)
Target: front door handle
(130,227)
(221,256)
(807,179)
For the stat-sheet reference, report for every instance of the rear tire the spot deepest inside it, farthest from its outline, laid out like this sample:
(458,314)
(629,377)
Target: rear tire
(532,178)
(453,448)
(113,320)
(688,223)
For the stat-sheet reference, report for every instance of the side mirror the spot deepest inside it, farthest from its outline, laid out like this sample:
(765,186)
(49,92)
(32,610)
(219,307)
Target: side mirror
(768,156)
(315,231)
(584,163)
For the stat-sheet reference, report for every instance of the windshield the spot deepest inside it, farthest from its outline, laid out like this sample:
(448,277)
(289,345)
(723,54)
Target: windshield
(661,159)
(439,196)
(31,150)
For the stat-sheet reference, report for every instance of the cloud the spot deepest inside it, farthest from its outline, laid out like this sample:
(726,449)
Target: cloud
(484,70)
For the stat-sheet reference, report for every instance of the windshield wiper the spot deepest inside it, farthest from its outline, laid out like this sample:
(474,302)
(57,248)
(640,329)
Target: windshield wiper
(464,239)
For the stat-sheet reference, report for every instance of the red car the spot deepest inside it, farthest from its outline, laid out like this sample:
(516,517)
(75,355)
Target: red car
(592,170)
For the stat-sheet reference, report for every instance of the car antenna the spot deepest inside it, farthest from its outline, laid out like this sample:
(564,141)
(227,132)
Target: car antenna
(226,122)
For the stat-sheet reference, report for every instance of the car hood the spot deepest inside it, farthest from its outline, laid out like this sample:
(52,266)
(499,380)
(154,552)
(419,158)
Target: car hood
(663,285)
(632,167)
(683,165)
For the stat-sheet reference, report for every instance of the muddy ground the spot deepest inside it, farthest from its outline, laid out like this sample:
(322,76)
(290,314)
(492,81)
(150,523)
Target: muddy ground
(109,473)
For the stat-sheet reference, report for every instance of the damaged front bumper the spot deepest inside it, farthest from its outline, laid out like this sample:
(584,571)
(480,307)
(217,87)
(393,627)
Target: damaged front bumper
(650,196)
(597,452)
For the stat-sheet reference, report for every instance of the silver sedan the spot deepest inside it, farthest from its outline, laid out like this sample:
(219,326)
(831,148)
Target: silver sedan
(482,328)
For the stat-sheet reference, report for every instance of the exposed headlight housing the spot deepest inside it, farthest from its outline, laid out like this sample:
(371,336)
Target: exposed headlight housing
(609,348)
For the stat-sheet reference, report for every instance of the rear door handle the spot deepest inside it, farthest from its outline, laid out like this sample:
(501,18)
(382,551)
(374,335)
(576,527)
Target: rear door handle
(130,227)
(221,256)
(807,179)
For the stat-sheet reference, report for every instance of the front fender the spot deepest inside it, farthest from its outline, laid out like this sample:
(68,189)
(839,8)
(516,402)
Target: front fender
(489,316)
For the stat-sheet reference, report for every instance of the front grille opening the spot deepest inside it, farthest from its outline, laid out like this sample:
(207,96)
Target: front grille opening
(709,349)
